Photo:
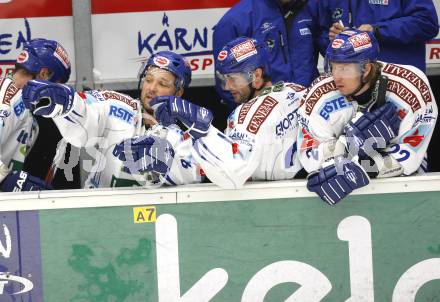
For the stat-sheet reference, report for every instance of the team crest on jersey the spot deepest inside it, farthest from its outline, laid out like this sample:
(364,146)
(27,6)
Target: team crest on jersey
(160,61)
(378,2)
(337,43)
(360,41)
(244,50)
(23,56)
(222,55)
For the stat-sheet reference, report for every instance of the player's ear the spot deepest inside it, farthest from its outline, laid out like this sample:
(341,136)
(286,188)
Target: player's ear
(44,74)
(258,80)
(367,71)
(179,92)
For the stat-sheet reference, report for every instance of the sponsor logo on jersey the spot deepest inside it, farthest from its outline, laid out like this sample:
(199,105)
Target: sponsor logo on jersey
(266,27)
(286,123)
(304,31)
(401,113)
(296,87)
(333,106)
(61,54)
(261,114)
(237,135)
(10,91)
(244,50)
(414,139)
(337,43)
(317,94)
(161,61)
(222,55)
(425,118)
(404,93)
(121,113)
(360,41)
(97,95)
(244,110)
(120,97)
(23,56)
(412,77)
(308,141)
(378,2)
(19,108)
(303,121)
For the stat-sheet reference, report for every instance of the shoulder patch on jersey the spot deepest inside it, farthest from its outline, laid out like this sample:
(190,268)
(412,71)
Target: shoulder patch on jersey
(244,110)
(412,77)
(8,90)
(261,114)
(120,97)
(318,92)
(404,93)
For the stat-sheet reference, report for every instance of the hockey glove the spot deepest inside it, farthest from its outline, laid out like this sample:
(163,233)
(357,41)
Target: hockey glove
(338,179)
(145,153)
(168,109)
(373,130)
(48,99)
(18,181)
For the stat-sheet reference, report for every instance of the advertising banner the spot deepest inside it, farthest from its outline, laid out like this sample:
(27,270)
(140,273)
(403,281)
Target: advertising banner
(23,20)
(383,247)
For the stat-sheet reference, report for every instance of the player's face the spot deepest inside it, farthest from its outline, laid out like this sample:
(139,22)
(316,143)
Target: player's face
(347,76)
(21,76)
(157,82)
(238,85)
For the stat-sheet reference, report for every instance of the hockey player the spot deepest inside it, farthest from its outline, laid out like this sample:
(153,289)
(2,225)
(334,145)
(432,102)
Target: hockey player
(260,139)
(40,59)
(104,119)
(382,114)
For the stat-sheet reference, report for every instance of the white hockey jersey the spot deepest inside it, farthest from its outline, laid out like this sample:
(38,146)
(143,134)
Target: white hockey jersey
(325,112)
(99,120)
(18,129)
(259,142)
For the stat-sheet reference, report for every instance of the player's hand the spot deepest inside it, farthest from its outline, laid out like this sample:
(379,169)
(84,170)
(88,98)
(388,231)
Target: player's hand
(18,181)
(168,109)
(334,30)
(48,99)
(337,179)
(366,27)
(373,130)
(145,153)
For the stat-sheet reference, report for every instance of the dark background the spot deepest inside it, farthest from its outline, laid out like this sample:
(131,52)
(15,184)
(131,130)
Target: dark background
(41,155)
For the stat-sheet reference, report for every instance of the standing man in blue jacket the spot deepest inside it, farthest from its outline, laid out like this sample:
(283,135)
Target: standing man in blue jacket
(401,27)
(288,28)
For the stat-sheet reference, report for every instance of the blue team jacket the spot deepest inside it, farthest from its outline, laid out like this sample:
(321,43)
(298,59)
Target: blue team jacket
(293,54)
(404,25)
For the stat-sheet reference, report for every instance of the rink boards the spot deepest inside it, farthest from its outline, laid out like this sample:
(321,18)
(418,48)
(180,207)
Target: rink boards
(265,242)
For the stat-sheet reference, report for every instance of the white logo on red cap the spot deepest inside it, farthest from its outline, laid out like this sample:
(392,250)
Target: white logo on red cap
(360,41)
(337,43)
(23,56)
(161,61)
(61,54)
(244,50)
(222,55)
